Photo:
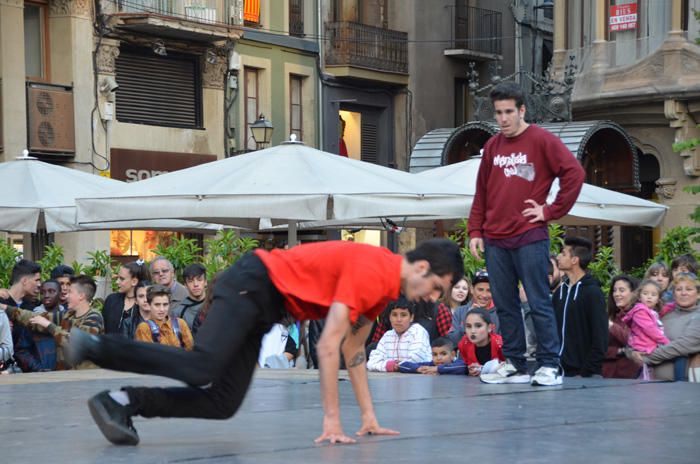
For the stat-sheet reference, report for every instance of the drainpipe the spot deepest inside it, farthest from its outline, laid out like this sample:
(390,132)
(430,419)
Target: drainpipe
(321,65)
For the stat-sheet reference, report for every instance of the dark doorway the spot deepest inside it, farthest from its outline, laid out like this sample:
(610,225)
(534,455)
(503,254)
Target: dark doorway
(638,242)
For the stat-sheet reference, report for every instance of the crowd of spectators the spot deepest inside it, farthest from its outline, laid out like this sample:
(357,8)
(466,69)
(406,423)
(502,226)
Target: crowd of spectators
(647,330)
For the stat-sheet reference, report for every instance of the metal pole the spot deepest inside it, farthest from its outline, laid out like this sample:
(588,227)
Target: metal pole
(292,234)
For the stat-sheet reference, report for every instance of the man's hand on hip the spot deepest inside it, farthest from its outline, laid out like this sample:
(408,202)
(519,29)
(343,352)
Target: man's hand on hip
(536,211)
(476,247)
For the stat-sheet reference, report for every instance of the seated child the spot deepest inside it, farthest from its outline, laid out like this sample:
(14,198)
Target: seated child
(646,330)
(480,348)
(160,328)
(405,341)
(444,353)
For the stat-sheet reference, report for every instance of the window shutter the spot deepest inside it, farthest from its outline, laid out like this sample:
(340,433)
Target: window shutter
(369,138)
(158,90)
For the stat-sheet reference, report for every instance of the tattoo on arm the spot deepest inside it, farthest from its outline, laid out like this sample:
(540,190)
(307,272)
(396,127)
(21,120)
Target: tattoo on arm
(357,360)
(361,322)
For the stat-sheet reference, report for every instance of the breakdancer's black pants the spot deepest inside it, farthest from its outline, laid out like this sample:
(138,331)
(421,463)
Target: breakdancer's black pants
(219,369)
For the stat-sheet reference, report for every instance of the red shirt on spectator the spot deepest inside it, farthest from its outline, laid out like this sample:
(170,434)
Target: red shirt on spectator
(313,276)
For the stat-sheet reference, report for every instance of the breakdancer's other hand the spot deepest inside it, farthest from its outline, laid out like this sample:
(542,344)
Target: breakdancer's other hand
(333,432)
(372,427)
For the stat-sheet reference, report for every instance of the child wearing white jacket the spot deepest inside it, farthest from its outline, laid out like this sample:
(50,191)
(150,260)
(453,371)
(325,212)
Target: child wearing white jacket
(405,341)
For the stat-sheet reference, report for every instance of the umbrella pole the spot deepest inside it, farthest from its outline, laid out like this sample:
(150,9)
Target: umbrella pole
(292,234)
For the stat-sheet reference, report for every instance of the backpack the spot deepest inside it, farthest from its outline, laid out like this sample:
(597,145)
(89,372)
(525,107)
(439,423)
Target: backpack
(155,331)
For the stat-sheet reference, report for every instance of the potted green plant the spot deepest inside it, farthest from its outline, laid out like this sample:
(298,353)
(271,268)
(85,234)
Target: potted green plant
(8,258)
(99,268)
(53,256)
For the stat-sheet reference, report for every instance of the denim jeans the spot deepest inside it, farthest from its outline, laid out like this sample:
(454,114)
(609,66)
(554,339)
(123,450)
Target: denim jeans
(680,369)
(527,264)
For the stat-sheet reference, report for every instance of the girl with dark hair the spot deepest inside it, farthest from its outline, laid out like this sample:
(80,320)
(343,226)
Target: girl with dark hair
(621,298)
(141,313)
(119,306)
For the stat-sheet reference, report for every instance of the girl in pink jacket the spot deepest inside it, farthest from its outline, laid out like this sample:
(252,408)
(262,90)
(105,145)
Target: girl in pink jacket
(646,330)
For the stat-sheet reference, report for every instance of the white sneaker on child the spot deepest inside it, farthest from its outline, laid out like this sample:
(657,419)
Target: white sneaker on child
(505,373)
(547,377)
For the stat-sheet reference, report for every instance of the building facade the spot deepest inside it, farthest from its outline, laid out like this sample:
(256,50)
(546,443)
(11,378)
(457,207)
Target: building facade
(135,89)
(639,66)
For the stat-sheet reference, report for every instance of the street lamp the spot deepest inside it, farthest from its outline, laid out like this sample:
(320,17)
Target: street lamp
(262,131)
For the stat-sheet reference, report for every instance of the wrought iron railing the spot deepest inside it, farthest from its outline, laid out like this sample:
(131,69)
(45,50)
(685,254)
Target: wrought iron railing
(477,29)
(296,17)
(204,11)
(360,45)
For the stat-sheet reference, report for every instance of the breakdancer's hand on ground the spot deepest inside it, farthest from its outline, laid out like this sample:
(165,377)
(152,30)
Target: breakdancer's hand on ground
(372,427)
(333,432)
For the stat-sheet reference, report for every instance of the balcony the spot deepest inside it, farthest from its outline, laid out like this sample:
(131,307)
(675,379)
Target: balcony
(477,33)
(366,52)
(192,20)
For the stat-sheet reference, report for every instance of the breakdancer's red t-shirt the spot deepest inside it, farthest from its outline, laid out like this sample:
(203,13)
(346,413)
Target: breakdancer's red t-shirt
(313,276)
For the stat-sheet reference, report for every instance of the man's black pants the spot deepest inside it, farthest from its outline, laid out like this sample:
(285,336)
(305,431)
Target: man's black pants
(220,367)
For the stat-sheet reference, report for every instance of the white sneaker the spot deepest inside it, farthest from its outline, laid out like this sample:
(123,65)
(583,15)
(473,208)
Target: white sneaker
(547,377)
(505,373)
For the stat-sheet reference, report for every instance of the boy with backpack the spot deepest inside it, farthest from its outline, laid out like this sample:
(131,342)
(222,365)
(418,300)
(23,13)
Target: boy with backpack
(195,276)
(161,328)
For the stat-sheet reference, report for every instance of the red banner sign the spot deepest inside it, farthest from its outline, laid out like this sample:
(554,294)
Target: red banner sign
(623,17)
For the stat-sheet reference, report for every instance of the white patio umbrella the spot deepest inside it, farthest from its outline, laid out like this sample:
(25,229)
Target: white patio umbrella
(287,183)
(594,205)
(42,195)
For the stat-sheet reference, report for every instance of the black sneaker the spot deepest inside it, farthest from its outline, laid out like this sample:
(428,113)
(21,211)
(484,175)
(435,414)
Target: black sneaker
(80,344)
(113,419)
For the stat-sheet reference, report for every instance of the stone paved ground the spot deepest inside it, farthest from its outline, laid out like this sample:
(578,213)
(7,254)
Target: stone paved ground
(447,419)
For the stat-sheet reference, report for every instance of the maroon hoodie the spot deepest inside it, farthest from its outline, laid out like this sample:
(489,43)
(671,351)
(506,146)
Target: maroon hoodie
(516,169)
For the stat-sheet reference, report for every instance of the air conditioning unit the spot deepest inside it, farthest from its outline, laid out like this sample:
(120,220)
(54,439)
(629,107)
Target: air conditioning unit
(50,119)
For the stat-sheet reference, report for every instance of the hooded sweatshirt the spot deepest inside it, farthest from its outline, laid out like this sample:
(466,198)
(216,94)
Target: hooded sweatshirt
(582,323)
(646,330)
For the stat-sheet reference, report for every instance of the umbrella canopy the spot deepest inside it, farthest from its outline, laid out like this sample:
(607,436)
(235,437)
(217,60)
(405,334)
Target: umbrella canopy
(289,182)
(594,205)
(42,195)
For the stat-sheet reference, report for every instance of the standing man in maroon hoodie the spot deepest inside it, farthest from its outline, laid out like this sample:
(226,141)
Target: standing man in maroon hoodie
(508,224)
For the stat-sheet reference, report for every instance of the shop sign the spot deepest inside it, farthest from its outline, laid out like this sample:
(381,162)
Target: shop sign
(623,17)
(135,165)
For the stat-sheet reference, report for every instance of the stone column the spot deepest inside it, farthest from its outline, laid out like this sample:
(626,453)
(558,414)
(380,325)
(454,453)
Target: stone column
(600,45)
(71,35)
(676,31)
(560,32)
(12,73)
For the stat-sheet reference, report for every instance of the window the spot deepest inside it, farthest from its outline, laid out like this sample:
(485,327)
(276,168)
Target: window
(295,108)
(252,103)
(35,41)
(296,17)
(159,90)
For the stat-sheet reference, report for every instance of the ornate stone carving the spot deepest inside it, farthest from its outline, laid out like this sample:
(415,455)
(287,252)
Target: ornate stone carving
(547,98)
(666,188)
(214,68)
(79,8)
(106,55)
(686,129)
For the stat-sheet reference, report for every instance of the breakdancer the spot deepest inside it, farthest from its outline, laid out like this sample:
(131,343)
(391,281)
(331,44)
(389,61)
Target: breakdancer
(346,283)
